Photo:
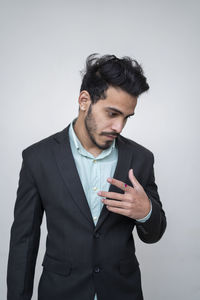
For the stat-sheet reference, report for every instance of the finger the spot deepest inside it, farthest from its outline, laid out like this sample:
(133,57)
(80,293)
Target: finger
(119,184)
(111,195)
(120,211)
(132,178)
(119,204)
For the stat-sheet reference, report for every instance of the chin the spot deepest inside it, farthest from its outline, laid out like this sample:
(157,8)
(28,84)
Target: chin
(105,145)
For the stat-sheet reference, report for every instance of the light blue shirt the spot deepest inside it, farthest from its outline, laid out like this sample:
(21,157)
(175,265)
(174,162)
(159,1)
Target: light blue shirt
(93,173)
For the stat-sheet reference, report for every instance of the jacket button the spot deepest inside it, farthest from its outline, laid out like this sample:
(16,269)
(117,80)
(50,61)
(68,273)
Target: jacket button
(97,235)
(96,270)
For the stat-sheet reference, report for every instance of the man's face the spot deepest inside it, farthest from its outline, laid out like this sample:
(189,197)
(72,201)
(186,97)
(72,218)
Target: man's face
(106,118)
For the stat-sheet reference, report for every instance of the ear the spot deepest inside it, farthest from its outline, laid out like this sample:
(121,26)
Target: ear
(84,100)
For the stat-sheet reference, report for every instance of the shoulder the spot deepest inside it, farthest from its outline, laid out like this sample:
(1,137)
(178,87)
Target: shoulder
(43,147)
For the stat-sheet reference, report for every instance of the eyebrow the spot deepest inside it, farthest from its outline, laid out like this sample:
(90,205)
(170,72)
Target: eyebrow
(119,111)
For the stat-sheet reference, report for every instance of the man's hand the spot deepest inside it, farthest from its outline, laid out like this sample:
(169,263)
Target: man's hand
(134,203)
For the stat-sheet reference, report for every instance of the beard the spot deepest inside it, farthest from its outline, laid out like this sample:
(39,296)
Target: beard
(91,127)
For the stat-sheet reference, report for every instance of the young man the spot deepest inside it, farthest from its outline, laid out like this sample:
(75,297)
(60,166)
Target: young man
(95,186)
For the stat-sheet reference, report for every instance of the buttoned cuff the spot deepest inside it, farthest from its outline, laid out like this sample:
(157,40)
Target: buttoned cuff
(147,217)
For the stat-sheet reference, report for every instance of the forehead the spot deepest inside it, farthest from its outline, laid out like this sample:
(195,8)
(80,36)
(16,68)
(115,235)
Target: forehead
(119,99)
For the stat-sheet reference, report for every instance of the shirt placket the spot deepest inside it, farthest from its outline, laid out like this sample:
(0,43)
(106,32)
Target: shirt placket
(95,187)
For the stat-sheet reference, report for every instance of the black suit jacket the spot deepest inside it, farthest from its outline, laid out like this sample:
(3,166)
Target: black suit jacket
(81,259)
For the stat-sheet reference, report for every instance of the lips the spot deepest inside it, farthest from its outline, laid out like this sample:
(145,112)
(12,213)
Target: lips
(112,137)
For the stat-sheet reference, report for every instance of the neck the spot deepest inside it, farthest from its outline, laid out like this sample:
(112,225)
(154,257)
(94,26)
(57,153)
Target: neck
(82,135)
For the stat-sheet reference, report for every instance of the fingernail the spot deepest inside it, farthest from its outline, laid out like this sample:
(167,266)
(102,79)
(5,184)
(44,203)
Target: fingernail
(109,179)
(99,193)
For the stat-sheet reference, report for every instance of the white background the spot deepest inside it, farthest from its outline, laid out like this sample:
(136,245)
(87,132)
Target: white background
(44,45)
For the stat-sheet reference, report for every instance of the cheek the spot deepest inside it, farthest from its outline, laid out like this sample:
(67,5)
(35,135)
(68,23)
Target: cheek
(102,124)
(125,121)
(106,126)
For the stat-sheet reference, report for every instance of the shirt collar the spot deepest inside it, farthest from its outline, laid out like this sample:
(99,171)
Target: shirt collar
(82,151)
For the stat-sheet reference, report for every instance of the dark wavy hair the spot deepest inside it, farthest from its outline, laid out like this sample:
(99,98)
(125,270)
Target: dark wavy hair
(108,70)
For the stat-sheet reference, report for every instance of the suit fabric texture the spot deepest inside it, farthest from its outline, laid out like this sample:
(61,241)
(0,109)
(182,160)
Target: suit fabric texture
(81,259)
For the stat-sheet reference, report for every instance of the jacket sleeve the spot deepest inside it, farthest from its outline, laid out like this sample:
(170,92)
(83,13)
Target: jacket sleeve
(25,236)
(152,230)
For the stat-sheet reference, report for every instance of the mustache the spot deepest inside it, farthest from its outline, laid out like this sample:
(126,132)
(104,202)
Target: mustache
(110,134)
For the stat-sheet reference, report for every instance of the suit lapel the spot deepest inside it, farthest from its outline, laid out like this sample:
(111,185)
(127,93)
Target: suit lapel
(121,173)
(69,173)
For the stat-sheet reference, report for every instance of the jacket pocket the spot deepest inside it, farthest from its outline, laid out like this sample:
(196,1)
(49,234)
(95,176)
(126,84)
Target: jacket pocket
(52,265)
(128,265)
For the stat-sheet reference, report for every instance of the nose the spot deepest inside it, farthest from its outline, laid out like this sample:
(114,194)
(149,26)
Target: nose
(117,126)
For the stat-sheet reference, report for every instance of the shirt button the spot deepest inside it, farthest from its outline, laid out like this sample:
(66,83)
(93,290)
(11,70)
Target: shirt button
(94,161)
(96,270)
(94,218)
(94,188)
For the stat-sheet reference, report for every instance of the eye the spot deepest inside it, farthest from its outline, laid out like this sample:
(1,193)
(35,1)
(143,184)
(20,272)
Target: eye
(128,117)
(112,114)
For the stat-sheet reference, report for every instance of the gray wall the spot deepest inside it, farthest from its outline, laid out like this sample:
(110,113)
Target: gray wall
(43,47)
